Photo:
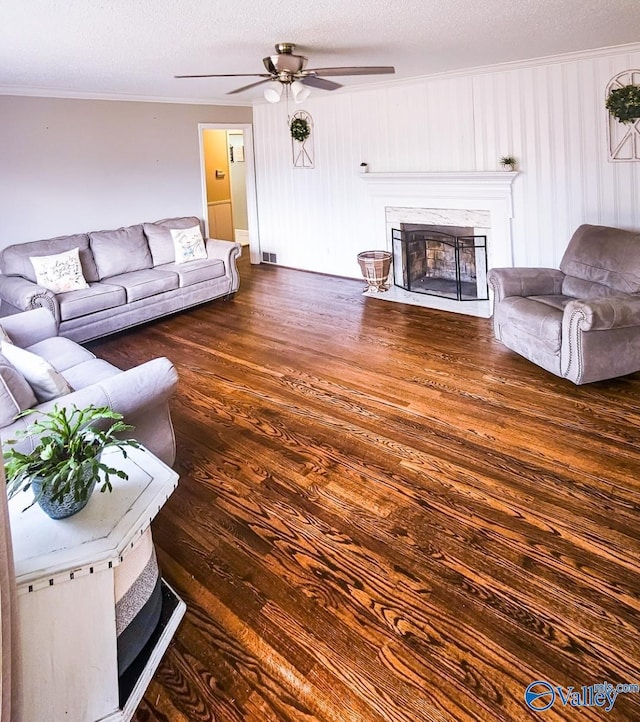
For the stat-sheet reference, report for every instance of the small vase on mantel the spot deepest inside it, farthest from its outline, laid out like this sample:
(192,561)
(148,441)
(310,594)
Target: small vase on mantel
(364,167)
(508,162)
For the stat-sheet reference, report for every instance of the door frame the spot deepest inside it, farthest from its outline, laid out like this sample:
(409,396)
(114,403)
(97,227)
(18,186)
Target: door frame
(250,185)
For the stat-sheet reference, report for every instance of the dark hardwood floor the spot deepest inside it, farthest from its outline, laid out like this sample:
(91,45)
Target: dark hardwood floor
(384,514)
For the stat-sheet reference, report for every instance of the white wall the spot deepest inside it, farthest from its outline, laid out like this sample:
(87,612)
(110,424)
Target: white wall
(69,166)
(549,114)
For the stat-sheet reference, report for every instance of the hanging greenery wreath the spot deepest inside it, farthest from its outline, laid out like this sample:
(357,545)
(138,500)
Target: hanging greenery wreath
(624,103)
(300,129)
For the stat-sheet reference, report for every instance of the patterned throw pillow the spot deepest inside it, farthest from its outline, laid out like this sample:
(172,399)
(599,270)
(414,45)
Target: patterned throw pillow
(188,244)
(59,273)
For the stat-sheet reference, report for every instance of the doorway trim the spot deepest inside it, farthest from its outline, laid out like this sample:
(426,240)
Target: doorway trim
(252,198)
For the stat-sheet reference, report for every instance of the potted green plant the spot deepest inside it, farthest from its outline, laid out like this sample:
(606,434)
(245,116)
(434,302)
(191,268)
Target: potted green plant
(300,129)
(508,162)
(624,103)
(65,464)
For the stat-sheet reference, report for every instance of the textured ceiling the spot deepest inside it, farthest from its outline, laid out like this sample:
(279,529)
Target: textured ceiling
(133,48)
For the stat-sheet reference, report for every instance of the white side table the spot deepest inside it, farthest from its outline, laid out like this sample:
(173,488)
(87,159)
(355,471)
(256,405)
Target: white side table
(66,600)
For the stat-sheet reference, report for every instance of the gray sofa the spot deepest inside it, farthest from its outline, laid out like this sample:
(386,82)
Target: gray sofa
(582,321)
(140,394)
(131,274)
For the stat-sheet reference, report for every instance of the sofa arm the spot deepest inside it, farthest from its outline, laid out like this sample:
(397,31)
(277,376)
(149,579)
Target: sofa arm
(129,393)
(229,252)
(525,282)
(140,394)
(24,294)
(602,314)
(29,327)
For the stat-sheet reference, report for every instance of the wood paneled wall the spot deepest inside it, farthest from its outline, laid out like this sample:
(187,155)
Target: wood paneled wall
(549,113)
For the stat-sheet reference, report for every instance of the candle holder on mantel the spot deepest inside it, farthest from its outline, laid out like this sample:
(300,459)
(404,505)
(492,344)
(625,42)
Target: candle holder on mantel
(375,267)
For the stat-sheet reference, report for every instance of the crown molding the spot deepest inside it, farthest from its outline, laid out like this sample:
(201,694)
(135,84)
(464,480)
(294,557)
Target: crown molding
(85,95)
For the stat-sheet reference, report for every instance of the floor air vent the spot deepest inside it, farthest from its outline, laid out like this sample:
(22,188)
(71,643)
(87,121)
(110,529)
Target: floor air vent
(269,257)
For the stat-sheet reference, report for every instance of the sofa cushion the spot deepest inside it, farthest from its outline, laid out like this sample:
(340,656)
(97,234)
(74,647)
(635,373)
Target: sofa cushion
(61,353)
(606,256)
(15,259)
(97,297)
(89,372)
(160,240)
(120,251)
(46,383)
(142,284)
(60,272)
(15,393)
(195,271)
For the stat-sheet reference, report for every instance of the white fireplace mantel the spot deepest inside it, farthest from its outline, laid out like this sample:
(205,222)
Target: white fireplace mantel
(470,190)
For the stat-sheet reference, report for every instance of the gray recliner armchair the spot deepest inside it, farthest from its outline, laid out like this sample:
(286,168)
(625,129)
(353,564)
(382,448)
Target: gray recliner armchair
(581,322)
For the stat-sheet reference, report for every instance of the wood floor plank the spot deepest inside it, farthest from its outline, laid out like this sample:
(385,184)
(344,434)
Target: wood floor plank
(386,516)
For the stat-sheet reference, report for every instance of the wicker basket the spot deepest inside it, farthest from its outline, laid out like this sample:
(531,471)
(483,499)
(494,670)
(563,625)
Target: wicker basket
(375,267)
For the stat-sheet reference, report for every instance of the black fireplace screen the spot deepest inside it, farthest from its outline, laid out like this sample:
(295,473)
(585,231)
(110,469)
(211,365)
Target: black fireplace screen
(440,264)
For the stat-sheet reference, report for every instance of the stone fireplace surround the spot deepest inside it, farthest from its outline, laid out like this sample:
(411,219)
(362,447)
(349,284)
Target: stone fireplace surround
(482,200)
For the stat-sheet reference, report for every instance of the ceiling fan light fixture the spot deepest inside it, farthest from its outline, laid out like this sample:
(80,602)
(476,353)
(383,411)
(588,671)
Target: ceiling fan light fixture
(300,91)
(273,92)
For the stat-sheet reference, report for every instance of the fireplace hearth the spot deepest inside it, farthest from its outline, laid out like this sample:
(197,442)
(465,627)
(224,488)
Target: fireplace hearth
(445,261)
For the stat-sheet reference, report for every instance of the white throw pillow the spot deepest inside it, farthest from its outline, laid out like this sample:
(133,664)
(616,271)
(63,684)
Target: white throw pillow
(46,383)
(4,336)
(188,244)
(15,393)
(61,272)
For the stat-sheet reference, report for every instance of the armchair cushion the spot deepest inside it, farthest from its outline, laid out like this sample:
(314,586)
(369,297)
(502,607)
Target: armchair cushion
(606,256)
(533,322)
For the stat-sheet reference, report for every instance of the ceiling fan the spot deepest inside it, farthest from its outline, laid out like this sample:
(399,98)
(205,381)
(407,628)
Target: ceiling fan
(285,70)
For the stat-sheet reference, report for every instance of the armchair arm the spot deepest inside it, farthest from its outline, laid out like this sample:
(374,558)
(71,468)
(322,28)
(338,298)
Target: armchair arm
(607,312)
(29,327)
(525,282)
(24,294)
(229,252)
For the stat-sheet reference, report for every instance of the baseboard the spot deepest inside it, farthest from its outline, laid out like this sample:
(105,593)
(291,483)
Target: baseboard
(241,236)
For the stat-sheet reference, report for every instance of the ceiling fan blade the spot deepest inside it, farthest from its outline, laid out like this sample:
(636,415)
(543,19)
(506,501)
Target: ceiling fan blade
(251,85)
(226,75)
(315,82)
(362,70)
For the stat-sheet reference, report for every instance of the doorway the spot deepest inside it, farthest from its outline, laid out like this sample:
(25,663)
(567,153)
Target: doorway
(228,184)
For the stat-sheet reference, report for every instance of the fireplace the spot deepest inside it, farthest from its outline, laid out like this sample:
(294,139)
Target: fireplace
(481,201)
(445,261)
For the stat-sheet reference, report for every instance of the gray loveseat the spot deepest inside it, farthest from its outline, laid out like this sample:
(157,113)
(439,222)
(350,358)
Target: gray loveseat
(131,274)
(140,394)
(582,321)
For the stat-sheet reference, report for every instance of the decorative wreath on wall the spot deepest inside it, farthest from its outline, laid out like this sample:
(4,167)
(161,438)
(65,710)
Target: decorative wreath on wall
(300,129)
(624,103)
